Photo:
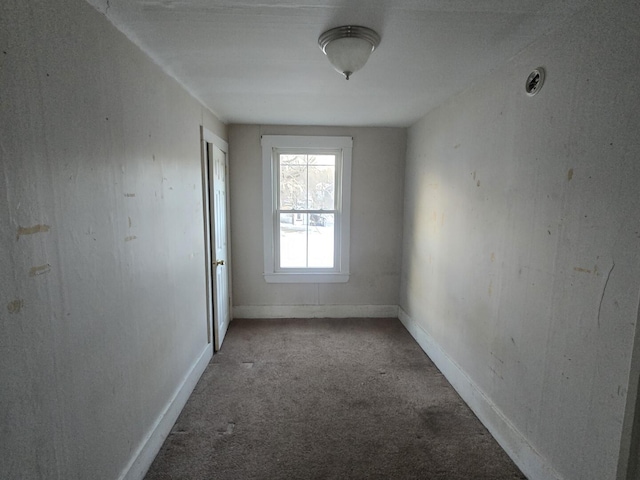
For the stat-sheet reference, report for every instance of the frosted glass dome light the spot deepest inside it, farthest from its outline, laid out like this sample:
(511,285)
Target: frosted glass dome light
(348,48)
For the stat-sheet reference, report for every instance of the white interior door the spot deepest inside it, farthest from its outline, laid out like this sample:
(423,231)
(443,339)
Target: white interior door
(219,260)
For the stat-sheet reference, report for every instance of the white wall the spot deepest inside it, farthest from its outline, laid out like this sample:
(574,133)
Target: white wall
(102,289)
(376,227)
(521,240)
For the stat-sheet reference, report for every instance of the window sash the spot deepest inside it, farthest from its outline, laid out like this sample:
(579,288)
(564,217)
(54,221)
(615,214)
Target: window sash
(337,197)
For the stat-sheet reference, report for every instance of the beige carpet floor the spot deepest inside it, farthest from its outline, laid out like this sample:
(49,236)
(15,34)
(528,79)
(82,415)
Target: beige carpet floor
(326,399)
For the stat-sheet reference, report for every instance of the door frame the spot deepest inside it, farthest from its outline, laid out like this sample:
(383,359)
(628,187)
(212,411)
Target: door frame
(209,138)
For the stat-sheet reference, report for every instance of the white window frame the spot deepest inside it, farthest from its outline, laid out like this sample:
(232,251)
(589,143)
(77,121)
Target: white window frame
(271,144)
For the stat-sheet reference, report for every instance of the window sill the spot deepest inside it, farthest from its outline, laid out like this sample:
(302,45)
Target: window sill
(306,277)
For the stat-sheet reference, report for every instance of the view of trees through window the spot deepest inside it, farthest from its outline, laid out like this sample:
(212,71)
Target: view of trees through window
(307,210)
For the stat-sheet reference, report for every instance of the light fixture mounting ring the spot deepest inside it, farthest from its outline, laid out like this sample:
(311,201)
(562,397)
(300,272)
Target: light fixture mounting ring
(346,31)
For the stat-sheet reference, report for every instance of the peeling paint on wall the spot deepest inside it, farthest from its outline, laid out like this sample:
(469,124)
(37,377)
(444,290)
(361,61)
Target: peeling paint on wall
(39,270)
(31,230)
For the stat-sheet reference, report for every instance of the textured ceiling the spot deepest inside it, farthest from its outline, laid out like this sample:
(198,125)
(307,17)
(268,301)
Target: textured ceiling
(259,62)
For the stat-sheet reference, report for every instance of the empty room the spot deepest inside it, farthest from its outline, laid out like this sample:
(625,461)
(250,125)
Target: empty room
(277,239)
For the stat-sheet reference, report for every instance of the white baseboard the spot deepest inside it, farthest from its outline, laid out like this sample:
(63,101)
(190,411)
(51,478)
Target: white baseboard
(315,311)
(150,446)
(523,454)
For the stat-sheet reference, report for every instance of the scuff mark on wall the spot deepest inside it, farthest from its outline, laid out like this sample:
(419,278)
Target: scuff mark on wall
(128,239)
(493,370)
(129,222)
(497,358)
(570,174)
(604,289)
(39,270)
(15,306)
(31,230)
(583,270)
(129,194)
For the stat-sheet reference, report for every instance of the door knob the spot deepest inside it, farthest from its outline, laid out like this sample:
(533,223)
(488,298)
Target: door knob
(219,262)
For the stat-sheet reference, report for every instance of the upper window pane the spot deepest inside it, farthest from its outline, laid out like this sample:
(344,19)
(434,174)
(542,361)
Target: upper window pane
(322,185)
(295,159)
(293,187)
(322,160)
(307,182)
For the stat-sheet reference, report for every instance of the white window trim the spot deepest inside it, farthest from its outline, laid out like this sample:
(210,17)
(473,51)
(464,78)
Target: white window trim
(274,142)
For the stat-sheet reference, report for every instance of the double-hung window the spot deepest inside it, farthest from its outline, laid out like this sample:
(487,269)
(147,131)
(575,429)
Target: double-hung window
(306,190)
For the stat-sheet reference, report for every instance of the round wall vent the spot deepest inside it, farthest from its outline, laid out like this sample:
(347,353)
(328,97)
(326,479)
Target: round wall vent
(534,81)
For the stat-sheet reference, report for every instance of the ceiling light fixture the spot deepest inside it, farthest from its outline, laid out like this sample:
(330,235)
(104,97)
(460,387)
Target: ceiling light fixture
(348,48)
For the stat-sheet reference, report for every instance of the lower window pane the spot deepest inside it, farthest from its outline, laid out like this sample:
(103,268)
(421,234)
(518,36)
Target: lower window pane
(306,240)
(293,240)
(321,240)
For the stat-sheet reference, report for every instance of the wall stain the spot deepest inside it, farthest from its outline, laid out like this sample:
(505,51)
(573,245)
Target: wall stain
(570,174)
(493,257)
(15,306)
(128,239)
(39,270)
(583,270)
(478,183)
(31,230)
(490,287)
(129,194)
(129,221)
